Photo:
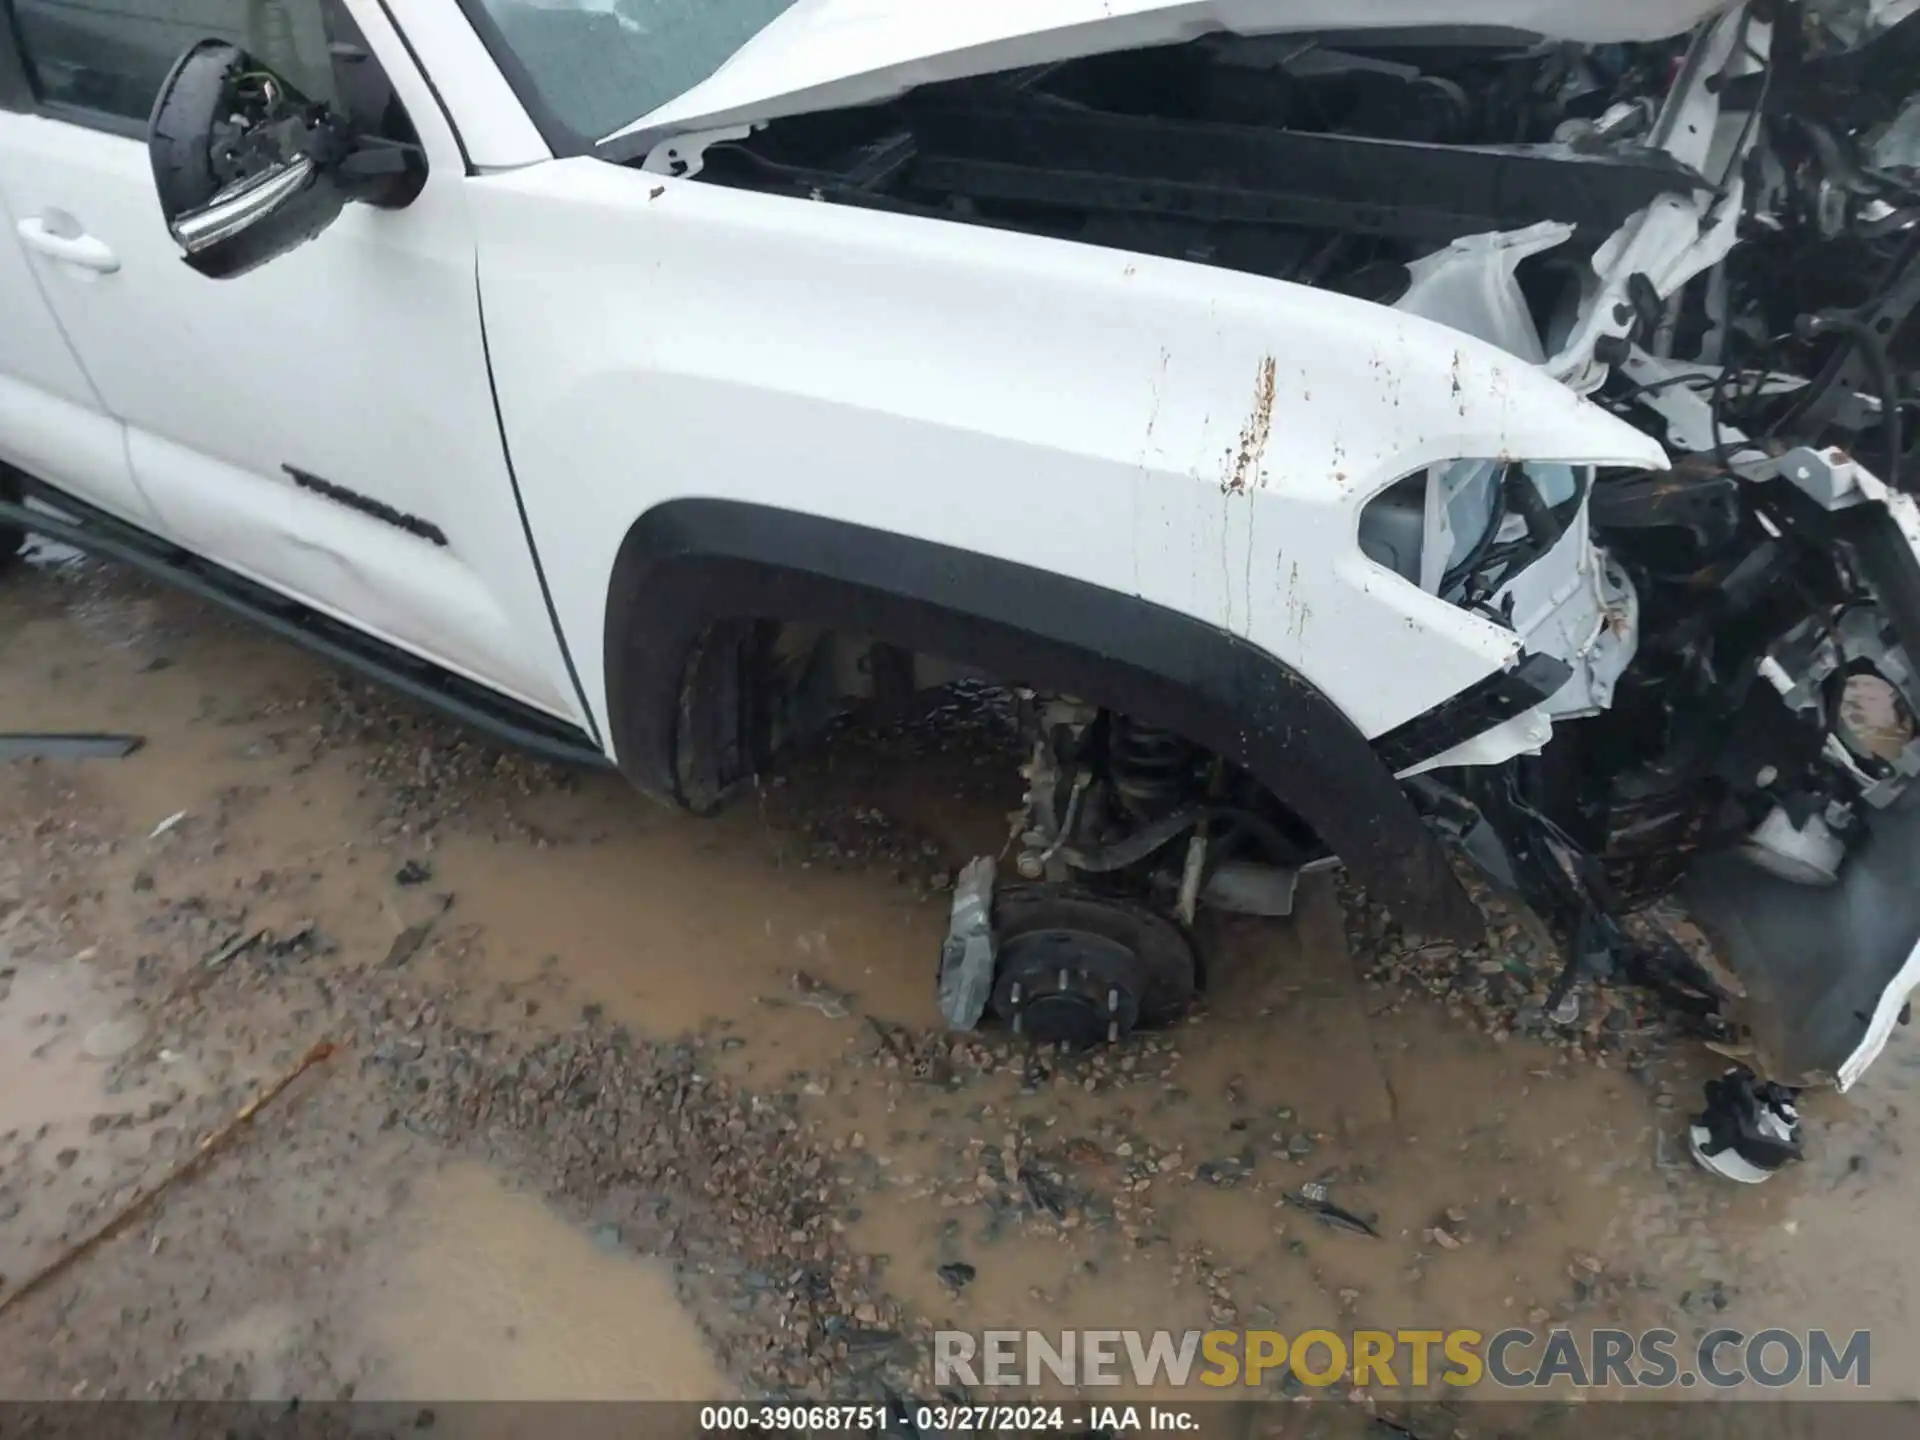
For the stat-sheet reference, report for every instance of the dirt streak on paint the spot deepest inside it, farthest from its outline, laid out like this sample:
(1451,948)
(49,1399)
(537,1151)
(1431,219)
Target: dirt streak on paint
(1254,435)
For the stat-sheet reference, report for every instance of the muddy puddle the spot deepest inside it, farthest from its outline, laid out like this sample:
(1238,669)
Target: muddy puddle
(331,842)
(73,1139)
(1503,1189)
(493,1296)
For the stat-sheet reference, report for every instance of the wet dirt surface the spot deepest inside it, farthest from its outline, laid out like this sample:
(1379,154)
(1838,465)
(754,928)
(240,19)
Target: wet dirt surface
(631,1105)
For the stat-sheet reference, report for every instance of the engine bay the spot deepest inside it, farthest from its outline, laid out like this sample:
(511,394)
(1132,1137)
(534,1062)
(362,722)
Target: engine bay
(1327,160)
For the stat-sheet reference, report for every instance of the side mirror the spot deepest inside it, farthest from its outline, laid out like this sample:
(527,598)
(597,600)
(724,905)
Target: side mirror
(246,167)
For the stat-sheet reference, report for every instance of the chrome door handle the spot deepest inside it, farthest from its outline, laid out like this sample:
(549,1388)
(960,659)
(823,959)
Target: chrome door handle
(85,251)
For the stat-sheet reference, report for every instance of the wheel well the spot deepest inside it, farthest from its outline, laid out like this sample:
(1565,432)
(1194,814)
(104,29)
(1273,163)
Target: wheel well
(691,649)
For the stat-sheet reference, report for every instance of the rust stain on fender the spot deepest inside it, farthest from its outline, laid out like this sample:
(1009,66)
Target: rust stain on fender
(1246,471)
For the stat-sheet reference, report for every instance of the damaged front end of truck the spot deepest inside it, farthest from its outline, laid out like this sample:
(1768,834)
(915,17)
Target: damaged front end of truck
(1706,223)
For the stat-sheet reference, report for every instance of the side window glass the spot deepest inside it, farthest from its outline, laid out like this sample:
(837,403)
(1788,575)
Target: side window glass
(108,57)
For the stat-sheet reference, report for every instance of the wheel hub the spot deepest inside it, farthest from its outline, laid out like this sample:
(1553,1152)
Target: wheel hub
(1070,987)
(1078,969)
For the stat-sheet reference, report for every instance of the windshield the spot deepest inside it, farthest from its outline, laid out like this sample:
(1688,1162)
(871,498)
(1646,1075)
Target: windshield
(597,65)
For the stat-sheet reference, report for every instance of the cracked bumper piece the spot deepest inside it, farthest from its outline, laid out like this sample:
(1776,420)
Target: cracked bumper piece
(1827,971)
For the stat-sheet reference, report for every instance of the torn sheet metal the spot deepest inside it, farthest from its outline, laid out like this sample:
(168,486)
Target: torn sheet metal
(1473,285)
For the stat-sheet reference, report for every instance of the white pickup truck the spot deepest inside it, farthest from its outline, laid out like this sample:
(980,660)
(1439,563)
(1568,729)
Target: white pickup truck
(1374,430)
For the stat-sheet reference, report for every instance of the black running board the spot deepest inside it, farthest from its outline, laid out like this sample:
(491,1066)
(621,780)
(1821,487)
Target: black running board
(508,721)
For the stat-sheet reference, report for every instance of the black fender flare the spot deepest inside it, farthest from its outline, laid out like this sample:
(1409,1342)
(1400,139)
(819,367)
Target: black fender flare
(688,565)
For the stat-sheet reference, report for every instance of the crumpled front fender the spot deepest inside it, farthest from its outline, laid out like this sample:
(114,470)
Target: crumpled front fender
(1198,438)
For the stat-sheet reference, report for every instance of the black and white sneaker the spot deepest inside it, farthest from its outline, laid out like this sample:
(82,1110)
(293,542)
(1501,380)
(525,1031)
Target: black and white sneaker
(1749,1129)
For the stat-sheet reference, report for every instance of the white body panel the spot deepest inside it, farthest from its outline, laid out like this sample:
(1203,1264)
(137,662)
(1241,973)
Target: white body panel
(826,54)
(357,358)
(1196,437)
(52,422)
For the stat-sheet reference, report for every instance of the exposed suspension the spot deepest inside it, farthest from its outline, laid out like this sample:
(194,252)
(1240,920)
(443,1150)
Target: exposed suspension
(1152,768)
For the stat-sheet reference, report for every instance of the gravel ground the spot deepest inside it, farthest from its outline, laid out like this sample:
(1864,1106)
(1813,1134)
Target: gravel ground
(711,1049)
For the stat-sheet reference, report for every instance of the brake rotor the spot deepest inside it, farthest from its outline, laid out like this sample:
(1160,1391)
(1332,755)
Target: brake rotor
(1076,968)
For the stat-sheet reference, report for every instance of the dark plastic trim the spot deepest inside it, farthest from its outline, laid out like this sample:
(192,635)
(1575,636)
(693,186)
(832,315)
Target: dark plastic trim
(1474,711)
(691,564)
(1814,960)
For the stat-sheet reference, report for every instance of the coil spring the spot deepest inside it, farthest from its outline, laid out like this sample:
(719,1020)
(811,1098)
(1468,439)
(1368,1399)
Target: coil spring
(1152,768)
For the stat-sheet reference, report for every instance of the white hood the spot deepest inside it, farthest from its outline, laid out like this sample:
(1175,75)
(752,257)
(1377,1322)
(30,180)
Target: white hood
(829,54)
